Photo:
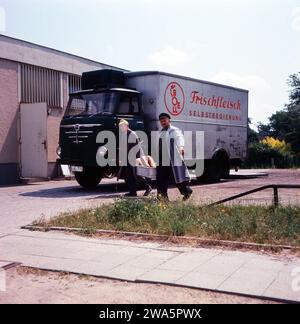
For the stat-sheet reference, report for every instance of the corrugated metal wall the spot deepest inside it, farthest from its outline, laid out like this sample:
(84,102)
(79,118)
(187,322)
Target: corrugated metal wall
(74,83)
(40,85)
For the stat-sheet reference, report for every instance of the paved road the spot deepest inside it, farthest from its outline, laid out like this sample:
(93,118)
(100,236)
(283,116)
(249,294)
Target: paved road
(231,271)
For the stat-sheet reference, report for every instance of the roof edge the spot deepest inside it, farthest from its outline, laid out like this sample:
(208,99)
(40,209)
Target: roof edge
(142,73)
(20,41)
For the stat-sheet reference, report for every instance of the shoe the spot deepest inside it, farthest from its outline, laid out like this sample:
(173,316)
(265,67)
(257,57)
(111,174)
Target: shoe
(131,194)
(148,192)
(187,194)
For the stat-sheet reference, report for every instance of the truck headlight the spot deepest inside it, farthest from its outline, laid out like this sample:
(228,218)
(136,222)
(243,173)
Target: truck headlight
(102,151)
(58,151)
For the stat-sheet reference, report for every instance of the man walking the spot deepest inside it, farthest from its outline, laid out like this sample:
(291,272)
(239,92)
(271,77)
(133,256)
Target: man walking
(171,165)
(128,169)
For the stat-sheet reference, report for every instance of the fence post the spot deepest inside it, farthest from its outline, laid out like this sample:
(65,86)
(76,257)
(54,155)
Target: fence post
(276,199)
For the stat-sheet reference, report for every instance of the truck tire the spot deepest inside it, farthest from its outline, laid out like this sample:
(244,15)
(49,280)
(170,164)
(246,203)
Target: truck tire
(212,172)
(216,169)
(226,169)
(89,178)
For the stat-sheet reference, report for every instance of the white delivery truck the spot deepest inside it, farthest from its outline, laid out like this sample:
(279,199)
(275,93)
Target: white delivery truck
(219,111)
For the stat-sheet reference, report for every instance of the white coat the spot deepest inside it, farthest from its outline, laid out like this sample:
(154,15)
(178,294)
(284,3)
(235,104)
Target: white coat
(175,141)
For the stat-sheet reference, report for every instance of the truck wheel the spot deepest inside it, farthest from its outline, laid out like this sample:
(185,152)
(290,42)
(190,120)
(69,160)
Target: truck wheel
(89,178)
(215,169)
(213,172)
(226,170)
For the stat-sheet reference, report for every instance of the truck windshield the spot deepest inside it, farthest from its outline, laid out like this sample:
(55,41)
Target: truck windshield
(92,104)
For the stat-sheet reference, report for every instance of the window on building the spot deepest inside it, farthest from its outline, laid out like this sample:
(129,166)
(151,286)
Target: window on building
(40,85)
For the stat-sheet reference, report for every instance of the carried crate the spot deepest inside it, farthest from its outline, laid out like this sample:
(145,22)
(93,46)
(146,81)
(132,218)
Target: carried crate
(146,172)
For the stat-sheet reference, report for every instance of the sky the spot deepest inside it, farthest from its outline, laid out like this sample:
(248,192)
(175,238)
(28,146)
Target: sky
(251,44)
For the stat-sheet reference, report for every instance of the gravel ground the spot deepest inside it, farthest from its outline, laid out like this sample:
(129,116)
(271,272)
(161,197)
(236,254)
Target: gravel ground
(238,184)
(25,285)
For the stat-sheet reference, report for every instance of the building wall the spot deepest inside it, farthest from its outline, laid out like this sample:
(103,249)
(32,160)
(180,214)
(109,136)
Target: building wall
(53,123)
(14,53)
(8,121)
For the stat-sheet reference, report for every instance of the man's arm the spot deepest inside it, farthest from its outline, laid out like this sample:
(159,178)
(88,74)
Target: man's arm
(179,140)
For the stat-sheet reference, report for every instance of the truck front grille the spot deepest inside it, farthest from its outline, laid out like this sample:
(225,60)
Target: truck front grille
(77,137)
(78,133)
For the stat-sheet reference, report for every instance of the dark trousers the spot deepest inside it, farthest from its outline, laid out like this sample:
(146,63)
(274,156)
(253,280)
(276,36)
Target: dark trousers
(164,176)
(132,180)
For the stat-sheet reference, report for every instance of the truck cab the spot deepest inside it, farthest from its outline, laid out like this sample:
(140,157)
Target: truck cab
(101,103)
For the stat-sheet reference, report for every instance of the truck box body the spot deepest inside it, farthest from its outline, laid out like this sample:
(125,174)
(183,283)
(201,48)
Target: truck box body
(220,111)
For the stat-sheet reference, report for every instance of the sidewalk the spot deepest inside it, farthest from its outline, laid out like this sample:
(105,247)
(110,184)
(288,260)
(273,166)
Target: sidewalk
(248,273)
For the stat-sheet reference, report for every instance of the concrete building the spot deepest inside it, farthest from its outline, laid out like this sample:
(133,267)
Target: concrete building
(34,85)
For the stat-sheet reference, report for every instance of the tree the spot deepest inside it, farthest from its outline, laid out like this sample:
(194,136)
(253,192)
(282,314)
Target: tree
(294,83)
(292,109)
(285,124)
(264,130)
(252,134)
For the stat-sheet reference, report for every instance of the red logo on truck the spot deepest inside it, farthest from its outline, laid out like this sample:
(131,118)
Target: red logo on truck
(174,98)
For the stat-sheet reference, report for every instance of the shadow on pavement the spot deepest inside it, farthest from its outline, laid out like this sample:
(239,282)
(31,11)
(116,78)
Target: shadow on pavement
(103,191)
(77,191)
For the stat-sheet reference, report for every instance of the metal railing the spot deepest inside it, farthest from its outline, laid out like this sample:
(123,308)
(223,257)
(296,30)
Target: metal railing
(275,188)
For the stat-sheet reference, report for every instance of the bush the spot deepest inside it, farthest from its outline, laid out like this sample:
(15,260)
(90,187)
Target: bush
(277,144)
(270,152)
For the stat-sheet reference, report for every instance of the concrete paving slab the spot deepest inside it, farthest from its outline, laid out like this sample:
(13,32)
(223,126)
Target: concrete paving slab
(260,262)
(125,272)
(141,244)
(117,258)
(248,281)
(51,251)
(152,259)
(161,276)
(89,254)
(286,285)
(88,241)
(204,280)
(94,268)
(241,255)
(189,260)
(34,261)
(221,265)
(67,265)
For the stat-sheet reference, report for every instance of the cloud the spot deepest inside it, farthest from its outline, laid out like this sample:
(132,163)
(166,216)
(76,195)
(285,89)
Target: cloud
(168,56)
(296,19)
(250,82)
(259,90)
(2,20)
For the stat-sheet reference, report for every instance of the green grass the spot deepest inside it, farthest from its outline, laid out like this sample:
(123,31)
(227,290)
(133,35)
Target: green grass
(258,224)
